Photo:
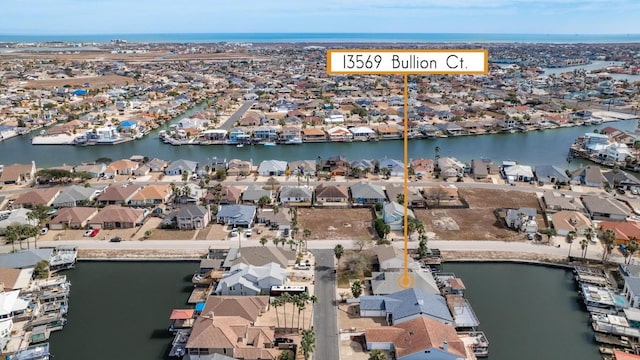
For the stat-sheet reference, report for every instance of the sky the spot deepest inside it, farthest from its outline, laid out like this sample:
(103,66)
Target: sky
(41,17)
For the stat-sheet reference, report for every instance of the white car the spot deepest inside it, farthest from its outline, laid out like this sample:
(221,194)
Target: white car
(88,233)
(302,267)
(43,231)
(248,232)
(234,233)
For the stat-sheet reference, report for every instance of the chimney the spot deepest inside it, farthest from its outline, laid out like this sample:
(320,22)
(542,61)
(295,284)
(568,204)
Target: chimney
(445,346)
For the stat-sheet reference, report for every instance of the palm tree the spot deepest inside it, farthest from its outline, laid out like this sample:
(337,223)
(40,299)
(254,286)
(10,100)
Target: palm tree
(631,248)
(377,354)
(338,251)
(276,303)
(608,238)
(264,241)
(589,233)
(570,237)
(308,343)
(305,235)
(313,299)
(285,298)
(295,301)
(291,242)
(584,244)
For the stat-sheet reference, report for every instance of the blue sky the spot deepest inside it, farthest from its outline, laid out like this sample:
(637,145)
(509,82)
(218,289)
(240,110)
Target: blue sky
(230,16)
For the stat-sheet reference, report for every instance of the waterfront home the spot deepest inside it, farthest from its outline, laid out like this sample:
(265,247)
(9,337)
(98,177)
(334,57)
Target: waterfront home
(631,290)
(268,133)
(595,143)
(13,217)
(422,167)
(253,193)
(479,169)
(615,152)
(518,173)
(260,256)
(298,195)
(189,193)
(10,305)
(387,132)
(394,167)
(61,257)
(181,166)
(451,129)
(272,168)
(157,165)
(450,167)
(339,133)
(94,170)
(551,174)
(405,305)
(189,217)
(151,195)
(621,179)
(364,193)
(362,133)
(624,230)
(238,167)
(15,279)
(602,300)
(76,195)
(217,164)
(239,136)
(395,192)
(247,307)
(36,197)
(72,218)
(239,338)
(226,195)
(7,132)
(393,215)
(332,195)
(290,135)
(523,219)
(117,217)
(303,167)
(243,279)
(388,282)
(18,174)
(236,215)
(313,135)
(121,167)
(213,135)
(555,201)
(605,208)
(118,194)
(419,338)
(566,221)
(589,175)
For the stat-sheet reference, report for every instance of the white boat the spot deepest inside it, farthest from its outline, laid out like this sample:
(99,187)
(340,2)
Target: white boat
(269,144)
(240,145)
(294,141)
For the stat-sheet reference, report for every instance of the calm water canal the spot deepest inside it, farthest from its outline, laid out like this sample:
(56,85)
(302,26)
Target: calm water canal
(120,310)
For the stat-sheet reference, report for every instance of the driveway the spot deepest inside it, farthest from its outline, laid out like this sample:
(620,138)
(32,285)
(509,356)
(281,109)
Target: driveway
(237,115)
(325,315)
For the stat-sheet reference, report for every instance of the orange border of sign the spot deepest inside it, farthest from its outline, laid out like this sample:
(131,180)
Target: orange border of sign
(426,72)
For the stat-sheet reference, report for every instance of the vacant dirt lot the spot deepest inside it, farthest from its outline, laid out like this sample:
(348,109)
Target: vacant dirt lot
(164,234)
(336,224)
(94,82)
(479,221)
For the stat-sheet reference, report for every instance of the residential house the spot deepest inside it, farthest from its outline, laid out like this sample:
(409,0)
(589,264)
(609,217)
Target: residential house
(450,128)
(589,176)
(313,135)
(272,168)
(18,174)
(395,192)
(440,193)
(362,133)
(303,167)
(422,167)
(523,219)
(621,179)
(551,174)
(393,167)
(76,195)
(157,165)
(290,195)
(181,166)
(479,169)
(339,133)
(393,215)
(249,121)
(246,307)
(388,282)
(631,289)
(361,167)
(152,195)
(624,230)
(94,170)
(388,132)
(37,197)
(567,221)
(117,217)
(555,201)
(227,195)
(142,170)
(421,338)
(268,133)
(189,194)
(121,167)
(239,168)
(518,173)
(406,305)
(190,217)
(118,194)
(236,215)
(605,208)
(12,217)
(332,195)
(15,279)
(253,193)
(243,279)
(450,167)
(260,256)
(367,193)
(290,134)
(72,218)
(239,136)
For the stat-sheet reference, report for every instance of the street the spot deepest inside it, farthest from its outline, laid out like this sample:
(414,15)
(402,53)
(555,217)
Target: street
(325,314)
(237,115)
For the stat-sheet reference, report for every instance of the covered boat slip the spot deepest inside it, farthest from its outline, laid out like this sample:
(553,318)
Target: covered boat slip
(34,352)
(181,319)
(591,276)
(179,343)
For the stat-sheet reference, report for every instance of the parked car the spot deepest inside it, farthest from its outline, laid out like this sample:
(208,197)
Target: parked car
(621,191)
(248,233)
(43,231)
(283,341)
(116,239)
(94,232)
(88,233)
(234,233)
(302,267)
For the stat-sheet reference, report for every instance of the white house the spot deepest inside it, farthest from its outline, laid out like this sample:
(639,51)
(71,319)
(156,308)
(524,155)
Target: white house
(249,280)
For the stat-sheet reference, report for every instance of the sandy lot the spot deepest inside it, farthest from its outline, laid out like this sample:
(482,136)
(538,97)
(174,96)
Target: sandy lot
(94,82)
(336,223)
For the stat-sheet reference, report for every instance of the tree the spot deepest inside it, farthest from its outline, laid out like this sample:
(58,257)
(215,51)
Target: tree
(308,343)
(185,175)
(381,228)
(584,244)
(608,238)
(285,298)
(356,264)
(589,233)
(338,250)
(285,355)
(377,354)
(422,248)
(361,243)
(264,200)
(631,248)
(221,174)
(264,241)
(272,183)
(356,289)
(275,241)
(41,270)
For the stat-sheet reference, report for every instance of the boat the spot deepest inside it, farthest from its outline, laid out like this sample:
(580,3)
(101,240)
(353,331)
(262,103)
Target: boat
(294,141)
(269,144)
(240,145)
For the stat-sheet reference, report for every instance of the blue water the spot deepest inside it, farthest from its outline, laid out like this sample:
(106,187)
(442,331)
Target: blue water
(330,37)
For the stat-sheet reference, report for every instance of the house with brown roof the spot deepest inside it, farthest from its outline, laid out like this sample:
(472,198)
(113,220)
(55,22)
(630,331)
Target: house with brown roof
(422,166)
(233,336)
(389,132)
(118,194)
(121,167)
(18,174)
(246,307)
(117,217)
(625,230)
(14,279)
(151,195)
(72,218)
(238,167)
(313,135)
(332,195)
(249,121)
(566,221)
(228,195)
(37,197)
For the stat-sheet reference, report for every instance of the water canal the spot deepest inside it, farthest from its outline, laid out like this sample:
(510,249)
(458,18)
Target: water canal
(119,310)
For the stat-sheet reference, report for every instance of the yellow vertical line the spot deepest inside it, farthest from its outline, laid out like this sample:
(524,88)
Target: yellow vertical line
(406,178)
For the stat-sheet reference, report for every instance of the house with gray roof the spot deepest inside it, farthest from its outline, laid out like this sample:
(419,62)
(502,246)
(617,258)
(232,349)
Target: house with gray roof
(303,167)
(189,194)
(11,217)
(551,174)
(605,208)
(364,193)
(395,167)
(589,176)
(237,215)
(95,170)
(631,290)
(76,195)
(406,305)
(157,165)
(253,193)
(296,194)
(393,215)
(190,217)
(181,166)
(388,282)
(621,179)
(260,256)
(272,168)
(523,219)
(250,280)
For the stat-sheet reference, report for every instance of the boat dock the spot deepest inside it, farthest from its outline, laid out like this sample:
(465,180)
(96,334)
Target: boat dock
(179,343)
(591,276)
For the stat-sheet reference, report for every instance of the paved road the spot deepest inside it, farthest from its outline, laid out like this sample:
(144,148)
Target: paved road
(231,121)
(325,312)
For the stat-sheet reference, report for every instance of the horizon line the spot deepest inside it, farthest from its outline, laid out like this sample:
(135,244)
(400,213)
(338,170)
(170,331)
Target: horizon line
(314,32)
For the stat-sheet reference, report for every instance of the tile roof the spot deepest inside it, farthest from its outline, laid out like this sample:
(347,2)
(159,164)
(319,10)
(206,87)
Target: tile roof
(152,192)
(332,191)
(118,193)
(73,215)
(39,197)
(247,307)
(117,213)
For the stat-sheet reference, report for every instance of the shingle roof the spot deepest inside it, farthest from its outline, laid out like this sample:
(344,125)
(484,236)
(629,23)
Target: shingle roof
(364,190)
